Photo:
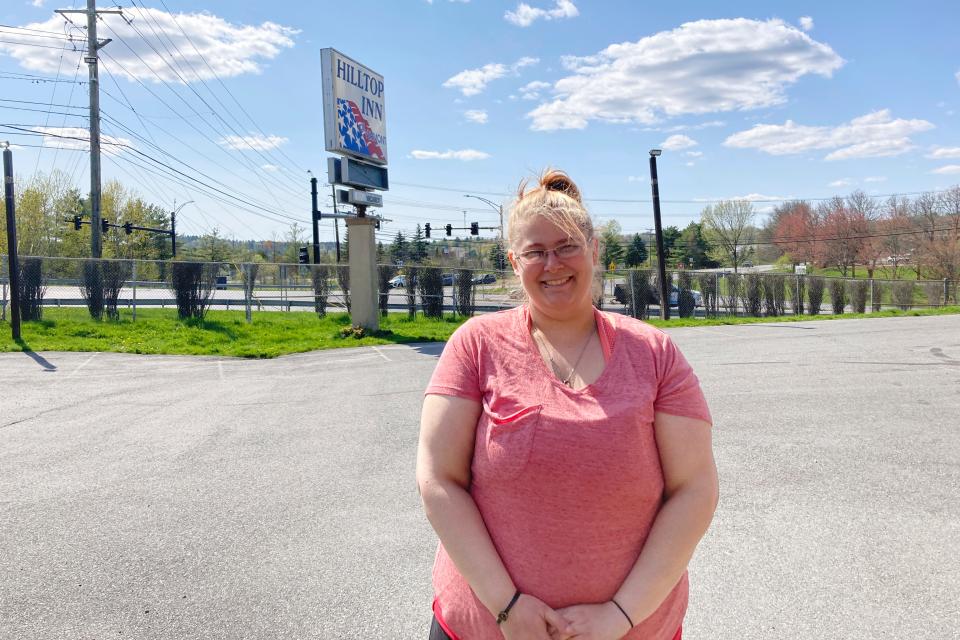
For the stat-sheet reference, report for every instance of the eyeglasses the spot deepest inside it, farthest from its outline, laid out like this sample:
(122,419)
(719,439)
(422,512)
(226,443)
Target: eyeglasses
(539,256)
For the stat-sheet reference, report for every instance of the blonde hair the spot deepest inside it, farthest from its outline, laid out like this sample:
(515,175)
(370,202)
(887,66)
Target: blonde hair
(557,199)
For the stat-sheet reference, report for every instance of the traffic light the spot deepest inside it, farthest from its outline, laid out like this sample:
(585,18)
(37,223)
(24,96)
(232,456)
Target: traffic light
(303,258)
(449,229)
(426,229)
(376,225)
(76,223)
(474,228)
(104,224)
(128,227)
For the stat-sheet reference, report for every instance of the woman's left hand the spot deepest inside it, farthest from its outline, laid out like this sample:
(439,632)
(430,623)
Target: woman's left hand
(595,621)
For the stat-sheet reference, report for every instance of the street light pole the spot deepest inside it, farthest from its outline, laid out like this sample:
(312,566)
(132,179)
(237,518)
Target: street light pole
(173,225)
(664,287)
(496,207)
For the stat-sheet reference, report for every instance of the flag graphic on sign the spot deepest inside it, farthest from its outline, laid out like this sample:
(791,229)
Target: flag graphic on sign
(355,132)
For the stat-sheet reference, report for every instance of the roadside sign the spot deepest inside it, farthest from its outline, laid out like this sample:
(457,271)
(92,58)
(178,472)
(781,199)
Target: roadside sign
(354,111)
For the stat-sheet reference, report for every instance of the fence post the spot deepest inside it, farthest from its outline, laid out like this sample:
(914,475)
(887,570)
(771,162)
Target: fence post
(871,295)
(247,290)
(133,277)
(946,292)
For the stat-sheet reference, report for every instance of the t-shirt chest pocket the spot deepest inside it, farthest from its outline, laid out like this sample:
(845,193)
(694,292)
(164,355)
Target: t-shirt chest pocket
(504,442)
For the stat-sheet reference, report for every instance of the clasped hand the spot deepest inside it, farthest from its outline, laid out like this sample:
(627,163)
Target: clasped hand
(531,619)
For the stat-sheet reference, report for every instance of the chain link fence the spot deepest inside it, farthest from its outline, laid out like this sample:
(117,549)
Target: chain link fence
(105,288)
(721,293)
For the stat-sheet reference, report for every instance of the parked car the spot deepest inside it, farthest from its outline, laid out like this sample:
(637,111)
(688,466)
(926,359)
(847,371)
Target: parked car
(447,279)
(399,282)
(487,278)
(653,297)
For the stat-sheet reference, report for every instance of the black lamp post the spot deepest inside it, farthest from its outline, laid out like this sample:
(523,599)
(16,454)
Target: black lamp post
(661,260)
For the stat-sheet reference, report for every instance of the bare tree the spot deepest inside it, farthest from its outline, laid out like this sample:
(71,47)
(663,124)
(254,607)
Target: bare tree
(728,227)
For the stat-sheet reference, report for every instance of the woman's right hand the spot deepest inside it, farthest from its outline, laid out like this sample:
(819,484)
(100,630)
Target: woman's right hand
(531,619)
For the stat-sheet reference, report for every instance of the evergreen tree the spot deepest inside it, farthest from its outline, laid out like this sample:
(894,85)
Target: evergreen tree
(636,252)
(498,257)
(670,236)
(692,249)
(418,247)
(399,249)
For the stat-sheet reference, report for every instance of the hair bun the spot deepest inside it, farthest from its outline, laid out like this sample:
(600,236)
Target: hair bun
(556,180)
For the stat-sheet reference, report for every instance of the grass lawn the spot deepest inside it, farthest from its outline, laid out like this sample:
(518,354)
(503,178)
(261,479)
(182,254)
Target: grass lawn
(225,333)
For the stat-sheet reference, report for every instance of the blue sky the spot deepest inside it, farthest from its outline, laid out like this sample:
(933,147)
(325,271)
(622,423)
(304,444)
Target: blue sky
(747,100)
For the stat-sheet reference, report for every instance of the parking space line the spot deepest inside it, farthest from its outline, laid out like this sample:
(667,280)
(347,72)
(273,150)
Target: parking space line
(381,354)
(82,365)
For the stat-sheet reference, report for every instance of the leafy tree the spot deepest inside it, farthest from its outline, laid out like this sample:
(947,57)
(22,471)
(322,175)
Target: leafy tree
(636,252)
(728,227)
(611,249)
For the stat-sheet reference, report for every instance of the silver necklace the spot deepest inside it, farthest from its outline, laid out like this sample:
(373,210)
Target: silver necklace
(553,363)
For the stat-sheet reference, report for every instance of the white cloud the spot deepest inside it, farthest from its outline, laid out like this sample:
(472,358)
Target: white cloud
(750,197)
(253,142)
(875,179)
(270,167)
(690,163)
(942,153)
(525,15)
(806,23)
(470,82)
(948,169)
(694,154)
(842,182)
(79,138)
(531,90)
(700,67)
(229,49)
(689,127)
(476,115)
(678,141)
(38,3)
(957,76)
(874,135)
(462,154)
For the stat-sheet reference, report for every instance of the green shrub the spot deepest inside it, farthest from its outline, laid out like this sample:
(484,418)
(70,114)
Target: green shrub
(838,295)
(815,285)
(320,279)
(464,294)
(774,295)
(32,289)
(798,286)
(902,293)
(753,294)
(192,284)
(430,284)
(858,290)
(686,304)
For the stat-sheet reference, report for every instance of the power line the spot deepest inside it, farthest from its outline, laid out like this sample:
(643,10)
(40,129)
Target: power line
(258,174)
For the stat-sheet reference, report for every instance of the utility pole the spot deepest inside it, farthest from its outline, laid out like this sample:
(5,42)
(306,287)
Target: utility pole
(9,203)
(93,46)
(336,221)
(315,215)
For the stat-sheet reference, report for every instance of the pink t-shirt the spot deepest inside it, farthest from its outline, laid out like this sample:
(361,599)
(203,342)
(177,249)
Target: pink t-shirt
(568,481)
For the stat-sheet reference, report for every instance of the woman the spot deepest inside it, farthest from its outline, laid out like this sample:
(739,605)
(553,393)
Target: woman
(565,455)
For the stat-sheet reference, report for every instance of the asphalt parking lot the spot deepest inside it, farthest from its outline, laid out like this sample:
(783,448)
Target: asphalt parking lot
(183,497)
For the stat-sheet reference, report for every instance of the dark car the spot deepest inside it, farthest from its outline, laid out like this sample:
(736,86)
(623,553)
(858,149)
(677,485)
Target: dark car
(653,295)
(447,279)
(487,278)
